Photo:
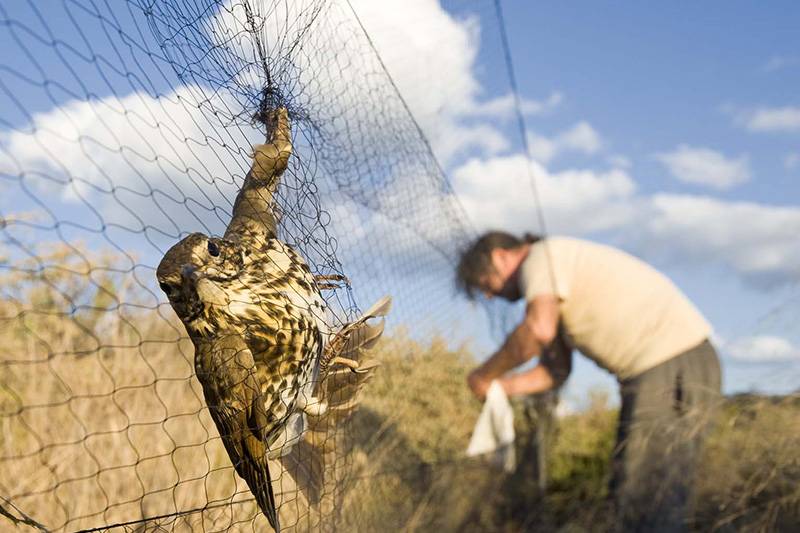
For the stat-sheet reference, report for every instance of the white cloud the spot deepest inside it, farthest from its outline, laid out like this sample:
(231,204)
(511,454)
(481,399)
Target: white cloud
(141,161)
(431,56)
(792,160)
(504,106)
(542,149)
(757,241)
(776,63)
(762,349)
(620,161)
(535,107)
(703,166)
(581,137)
(482,137)
(497,193)
(772,119)
(163,162)
(429,53)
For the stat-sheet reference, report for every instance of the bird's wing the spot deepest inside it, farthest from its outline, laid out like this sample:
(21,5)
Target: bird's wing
(318,449)
(254,219)
(339,389)
(237,408)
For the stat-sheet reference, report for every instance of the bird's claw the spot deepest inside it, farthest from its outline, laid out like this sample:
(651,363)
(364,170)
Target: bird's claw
(331,281)
(349,363)
(316,407)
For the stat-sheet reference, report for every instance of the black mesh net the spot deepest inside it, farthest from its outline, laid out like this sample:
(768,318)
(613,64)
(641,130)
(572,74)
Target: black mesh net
(127,126)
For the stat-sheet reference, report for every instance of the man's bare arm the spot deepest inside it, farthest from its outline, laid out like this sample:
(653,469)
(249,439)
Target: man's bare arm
(537,330)
(550,373)
(537,379)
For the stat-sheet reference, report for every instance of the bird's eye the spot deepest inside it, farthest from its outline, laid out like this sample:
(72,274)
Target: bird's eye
(166,287)
(213,248)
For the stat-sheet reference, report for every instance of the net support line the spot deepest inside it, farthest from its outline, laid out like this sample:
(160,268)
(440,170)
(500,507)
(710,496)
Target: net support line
(421,133)
(22,519)
(523,132)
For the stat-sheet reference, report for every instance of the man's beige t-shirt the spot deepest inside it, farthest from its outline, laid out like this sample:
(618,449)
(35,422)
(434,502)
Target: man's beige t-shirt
(615,308)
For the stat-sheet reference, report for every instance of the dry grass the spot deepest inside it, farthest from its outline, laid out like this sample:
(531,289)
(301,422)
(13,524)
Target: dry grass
(751,476)
(102,419)
(103,422)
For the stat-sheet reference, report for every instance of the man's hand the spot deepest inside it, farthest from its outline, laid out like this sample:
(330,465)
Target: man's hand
(479,383)
(537,330)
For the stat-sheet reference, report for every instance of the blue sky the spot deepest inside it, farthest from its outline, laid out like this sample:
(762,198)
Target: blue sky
(672,131)
(656,76)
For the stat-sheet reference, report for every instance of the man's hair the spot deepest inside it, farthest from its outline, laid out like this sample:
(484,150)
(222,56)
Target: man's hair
(476,261)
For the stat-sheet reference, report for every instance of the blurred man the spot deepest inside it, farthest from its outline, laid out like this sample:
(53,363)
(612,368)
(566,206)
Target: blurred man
(629,319)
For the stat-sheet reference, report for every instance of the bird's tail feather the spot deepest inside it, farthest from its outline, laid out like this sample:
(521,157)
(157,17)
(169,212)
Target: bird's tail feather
(265,496)
(249,456)
(253,467)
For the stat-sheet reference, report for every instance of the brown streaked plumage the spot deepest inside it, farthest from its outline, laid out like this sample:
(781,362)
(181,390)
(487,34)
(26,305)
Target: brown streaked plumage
(253,292)
(255,315)
(226,369)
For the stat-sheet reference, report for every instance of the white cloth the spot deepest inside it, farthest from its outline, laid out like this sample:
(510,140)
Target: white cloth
(494,430)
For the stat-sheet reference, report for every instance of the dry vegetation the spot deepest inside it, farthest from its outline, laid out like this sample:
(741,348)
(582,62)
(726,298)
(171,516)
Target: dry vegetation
(102,422)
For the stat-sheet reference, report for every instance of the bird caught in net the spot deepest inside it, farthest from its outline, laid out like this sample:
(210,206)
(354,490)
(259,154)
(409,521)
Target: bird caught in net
(257,319)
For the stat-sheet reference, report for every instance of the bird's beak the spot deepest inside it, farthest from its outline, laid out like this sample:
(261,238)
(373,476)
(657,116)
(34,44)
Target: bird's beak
(189,273)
